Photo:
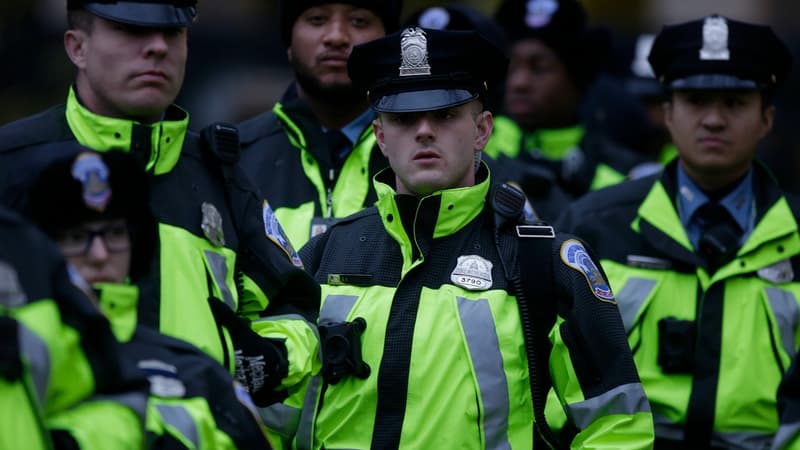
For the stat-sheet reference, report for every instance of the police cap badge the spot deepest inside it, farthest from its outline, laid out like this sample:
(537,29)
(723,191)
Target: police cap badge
(92,173)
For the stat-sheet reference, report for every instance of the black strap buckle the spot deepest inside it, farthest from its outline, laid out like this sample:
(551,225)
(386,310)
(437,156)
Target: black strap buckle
(536,231)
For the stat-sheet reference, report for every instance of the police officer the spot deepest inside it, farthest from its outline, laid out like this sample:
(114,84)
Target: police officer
(314,154)
(95,206)
(546,197)
(554,58)
(703,258)
(422,334)
(64,382)
(218,242)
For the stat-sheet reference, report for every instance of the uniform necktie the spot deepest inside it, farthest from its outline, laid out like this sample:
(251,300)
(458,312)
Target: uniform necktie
(338,146)
(719,239)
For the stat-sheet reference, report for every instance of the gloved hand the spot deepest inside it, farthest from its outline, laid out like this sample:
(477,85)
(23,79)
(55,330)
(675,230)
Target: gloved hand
(63,440)
(261,363)
(10,361)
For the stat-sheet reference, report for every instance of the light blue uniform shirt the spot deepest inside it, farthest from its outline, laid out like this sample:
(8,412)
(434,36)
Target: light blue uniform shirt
(739,203)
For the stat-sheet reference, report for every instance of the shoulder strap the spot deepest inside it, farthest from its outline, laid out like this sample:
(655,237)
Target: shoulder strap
(220,145)
(523,244)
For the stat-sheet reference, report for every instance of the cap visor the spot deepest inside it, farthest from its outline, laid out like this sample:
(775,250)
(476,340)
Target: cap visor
(713,81)
(144,14)
(423,100)
(644,87)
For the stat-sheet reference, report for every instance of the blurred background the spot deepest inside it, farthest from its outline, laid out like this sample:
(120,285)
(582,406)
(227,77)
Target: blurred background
(237,65)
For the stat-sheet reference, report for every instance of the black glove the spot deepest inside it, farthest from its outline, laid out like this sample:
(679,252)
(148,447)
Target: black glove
(63,440)
(261,363)
(10,361)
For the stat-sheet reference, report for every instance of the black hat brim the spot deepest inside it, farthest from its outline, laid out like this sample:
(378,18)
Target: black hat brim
(155,15)
(426,100)
(714,82)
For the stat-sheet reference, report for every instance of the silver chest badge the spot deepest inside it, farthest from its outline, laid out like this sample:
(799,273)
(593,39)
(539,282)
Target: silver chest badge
(780,272)
(715,39)
(414,52)
(212,224)
(473,273)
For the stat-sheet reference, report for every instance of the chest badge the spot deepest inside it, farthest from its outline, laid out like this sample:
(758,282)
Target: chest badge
(212,224)
(780,272)
(473,273)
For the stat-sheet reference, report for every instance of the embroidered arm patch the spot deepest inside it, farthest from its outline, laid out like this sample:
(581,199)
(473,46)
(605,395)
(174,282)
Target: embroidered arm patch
(574,255)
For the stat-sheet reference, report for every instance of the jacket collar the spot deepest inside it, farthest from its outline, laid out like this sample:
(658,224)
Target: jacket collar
(554,143)
(119,301)
(420,220)
(658,222)
(158,145)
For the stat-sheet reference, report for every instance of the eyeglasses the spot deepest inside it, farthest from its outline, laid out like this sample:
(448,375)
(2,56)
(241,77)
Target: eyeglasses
(77,241)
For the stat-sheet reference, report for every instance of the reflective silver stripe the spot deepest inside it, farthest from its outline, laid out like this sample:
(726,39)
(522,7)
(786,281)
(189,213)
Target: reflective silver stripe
(785,434)
(34,350)
(741,440)
(631,298)
(784,307)
(665,429)
(137,401)
(281,418)
(304,430)
(336,308)
(181,420)
(484,348)
(219,268)
(626,399)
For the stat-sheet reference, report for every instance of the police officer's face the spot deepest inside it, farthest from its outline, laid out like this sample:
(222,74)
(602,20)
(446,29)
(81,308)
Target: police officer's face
(322,39)
(126,71)
(717,132)
(539,92)
(99,250)
(433,150)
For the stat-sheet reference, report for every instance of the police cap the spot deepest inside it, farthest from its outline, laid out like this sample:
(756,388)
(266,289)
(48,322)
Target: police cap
(89,186)
(719,53)
(563,26)
(639,79)
(143,13)
(422,69)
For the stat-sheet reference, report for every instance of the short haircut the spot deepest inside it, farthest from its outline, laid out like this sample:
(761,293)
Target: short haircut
(80,19)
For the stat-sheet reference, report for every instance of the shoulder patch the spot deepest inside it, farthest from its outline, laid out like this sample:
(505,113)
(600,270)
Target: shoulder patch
(574,255)
(275,233)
